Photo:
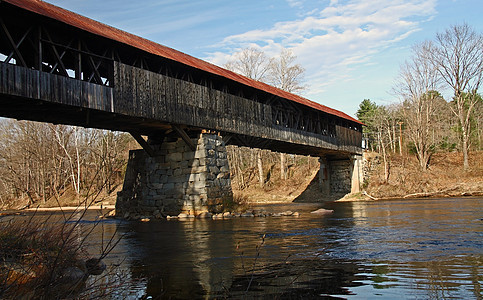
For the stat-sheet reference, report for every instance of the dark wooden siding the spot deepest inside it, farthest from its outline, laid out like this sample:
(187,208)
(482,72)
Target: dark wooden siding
(151,97)
(156,96)
(33,84)
(18,81)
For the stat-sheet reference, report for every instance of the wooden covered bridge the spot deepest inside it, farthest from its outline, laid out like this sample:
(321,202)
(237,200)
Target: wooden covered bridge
(57,66)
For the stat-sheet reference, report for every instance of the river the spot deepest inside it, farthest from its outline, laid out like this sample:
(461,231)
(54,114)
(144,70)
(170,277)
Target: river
(402,249)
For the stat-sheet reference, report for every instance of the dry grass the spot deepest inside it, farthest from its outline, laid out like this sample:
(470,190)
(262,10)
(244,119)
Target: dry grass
(34,256)
(43,258)
(275,190)
(444,177)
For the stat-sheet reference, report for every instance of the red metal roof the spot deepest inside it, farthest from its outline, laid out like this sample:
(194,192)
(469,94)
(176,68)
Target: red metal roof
(109,32)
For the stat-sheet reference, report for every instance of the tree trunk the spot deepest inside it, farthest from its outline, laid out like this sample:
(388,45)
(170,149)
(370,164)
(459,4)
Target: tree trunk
(283,168)
(237,158)
(260,168)
(466,165)
(385,158)
(464,122)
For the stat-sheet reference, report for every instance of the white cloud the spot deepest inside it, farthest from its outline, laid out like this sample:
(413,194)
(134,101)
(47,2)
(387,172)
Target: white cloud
(295,3)
(333,40)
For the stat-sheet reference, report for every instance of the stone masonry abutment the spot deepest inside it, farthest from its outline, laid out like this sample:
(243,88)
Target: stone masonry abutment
(176,179)
(340,176)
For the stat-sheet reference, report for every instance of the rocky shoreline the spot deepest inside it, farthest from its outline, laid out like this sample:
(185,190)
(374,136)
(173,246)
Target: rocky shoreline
(255,213)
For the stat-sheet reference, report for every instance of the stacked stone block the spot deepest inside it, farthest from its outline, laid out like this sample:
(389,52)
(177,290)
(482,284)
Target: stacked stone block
(177,180)
(340,176)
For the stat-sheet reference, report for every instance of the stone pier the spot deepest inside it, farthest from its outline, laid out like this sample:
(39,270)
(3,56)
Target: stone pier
(176,179)
(340,176)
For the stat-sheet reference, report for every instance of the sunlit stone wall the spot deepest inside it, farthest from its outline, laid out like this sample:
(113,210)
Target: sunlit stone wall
(176,180)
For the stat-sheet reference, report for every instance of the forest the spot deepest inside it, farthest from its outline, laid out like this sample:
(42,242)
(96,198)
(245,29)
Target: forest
(424,121)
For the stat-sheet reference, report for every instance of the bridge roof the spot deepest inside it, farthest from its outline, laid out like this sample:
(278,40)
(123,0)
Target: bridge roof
(109,32)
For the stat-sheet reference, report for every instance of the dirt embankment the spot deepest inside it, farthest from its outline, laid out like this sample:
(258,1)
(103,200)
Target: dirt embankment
(301,171)
(445,176)
(68,200)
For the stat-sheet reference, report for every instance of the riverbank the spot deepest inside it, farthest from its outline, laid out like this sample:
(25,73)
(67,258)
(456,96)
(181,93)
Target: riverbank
(445,177)
(73,208)
(68,201)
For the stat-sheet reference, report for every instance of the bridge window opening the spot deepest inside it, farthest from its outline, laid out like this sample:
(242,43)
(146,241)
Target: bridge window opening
(12,60)
(71,73)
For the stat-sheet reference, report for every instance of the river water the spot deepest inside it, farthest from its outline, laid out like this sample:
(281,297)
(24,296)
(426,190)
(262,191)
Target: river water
(398,249)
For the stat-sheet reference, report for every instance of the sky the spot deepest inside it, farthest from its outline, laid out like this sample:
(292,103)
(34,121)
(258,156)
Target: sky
(351,50)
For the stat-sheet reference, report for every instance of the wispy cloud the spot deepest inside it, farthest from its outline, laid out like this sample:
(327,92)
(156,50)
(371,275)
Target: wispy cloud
(295,3)
(330,41)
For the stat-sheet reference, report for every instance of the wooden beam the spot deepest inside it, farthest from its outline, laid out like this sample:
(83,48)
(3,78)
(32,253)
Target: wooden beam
(13,44)
(59,62)
(143,143)
(227,138)
(184,136)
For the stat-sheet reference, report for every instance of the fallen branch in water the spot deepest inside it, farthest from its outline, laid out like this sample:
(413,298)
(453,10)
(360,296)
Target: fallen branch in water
(369,196)
(429,194)
(450,192)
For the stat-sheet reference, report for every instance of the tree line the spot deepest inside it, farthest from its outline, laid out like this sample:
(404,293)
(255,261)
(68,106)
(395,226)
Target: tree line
(423,121)
(40,161)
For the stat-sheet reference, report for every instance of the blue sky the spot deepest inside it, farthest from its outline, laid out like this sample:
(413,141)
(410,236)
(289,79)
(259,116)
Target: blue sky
(351,49)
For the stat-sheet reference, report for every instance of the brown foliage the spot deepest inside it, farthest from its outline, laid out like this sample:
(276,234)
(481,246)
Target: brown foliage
(44,257)
(40,161)
(444,177)
(34,256)
(300,170)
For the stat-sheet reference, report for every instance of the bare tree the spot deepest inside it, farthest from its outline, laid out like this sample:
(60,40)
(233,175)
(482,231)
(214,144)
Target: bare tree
(479,124)
(281,72)
(457,55)
(379,119)
(41,161)
(284,73)
(250,62)
(418,82)
(261,178)
(254,64)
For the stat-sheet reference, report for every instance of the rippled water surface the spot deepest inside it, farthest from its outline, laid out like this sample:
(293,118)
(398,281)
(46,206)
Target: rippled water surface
(399,249)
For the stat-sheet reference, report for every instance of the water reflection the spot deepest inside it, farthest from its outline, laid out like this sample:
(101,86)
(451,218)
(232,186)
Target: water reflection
(416,249)
(226,258)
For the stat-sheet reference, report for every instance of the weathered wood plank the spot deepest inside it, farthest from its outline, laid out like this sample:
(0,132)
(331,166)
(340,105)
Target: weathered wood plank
(32,84)
(151,95)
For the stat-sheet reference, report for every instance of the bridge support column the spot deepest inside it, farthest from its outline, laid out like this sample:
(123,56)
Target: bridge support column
(356,173)
(177,179)
(340,176)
